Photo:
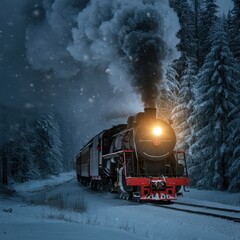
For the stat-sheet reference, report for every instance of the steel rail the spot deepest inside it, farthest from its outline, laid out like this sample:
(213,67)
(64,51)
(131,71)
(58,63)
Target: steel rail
(172,207)
(208,207)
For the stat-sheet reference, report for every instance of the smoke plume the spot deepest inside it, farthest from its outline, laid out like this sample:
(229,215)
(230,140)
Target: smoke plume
(131,41)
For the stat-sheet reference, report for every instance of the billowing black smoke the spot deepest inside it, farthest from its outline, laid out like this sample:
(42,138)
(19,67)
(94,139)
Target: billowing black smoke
(131,41)
(141,41)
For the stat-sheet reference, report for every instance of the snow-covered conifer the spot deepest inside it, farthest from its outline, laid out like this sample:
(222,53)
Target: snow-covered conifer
(47,149)
(27,166)
(235,32)
(215,98)
(168,93)
(184,107)
(234,152)
(54,157)
(187,45)
(207,19)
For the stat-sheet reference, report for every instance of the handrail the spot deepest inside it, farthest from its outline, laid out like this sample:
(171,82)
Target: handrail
(118,152)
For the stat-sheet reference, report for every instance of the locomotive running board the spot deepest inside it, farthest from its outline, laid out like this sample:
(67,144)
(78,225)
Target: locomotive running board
(117,153)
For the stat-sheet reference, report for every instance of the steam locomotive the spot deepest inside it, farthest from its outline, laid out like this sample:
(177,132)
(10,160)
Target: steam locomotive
(136,159)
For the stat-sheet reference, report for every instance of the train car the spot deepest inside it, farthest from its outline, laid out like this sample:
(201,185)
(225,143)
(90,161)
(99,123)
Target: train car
(136,159)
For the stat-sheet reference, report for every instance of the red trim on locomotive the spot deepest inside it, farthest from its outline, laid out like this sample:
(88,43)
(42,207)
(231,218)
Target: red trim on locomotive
(144,181)
(147,193)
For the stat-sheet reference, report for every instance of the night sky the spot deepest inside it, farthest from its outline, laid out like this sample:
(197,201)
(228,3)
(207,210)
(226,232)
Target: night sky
(78,92)
(46,62)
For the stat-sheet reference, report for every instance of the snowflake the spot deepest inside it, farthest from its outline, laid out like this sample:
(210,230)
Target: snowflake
(36,13)
(85,57)
(91,100)
(28,105)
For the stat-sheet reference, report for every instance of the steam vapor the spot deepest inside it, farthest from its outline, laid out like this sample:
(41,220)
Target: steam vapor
(131,41)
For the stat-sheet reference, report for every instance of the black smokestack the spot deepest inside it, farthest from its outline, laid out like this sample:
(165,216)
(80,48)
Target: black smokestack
(145,50)
(150,113)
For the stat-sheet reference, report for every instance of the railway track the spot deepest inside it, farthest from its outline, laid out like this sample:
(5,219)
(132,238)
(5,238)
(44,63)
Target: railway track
(223,213)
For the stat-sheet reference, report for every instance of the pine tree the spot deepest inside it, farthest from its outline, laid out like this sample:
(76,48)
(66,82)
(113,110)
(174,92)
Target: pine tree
(40,146)
(184,107)
(187,45)
(47,147)
(207,19)
(229,27)
(234,139)
(168,94)
(67,138)
(30,164)
(21,161)
(234,152)
(215,98)
(54,157)
(197,6)
(27,168)
(235,30)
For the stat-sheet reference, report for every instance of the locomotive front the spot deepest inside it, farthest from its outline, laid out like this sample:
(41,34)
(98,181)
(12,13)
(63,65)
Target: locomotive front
(153,141)
(153,138)
(153,171)
(137,160)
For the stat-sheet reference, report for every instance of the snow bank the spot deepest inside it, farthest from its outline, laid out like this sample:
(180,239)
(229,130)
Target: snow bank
(208,197)
(61,231)
(38,185)
(108,217)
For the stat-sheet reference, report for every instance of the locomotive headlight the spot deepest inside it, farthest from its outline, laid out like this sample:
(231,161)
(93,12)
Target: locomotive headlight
(157,131)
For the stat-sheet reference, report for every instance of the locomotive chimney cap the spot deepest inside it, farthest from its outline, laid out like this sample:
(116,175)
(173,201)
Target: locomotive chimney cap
(150,112)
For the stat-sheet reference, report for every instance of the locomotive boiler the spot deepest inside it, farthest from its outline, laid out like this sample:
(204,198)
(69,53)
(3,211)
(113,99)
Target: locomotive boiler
(136,159)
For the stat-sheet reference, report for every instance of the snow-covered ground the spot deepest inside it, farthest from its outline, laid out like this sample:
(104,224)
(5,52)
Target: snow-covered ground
(107,217)
(212,198)
(37,185)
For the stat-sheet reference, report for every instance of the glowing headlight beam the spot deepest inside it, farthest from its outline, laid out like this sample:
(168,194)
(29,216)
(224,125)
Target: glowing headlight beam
(157,131)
